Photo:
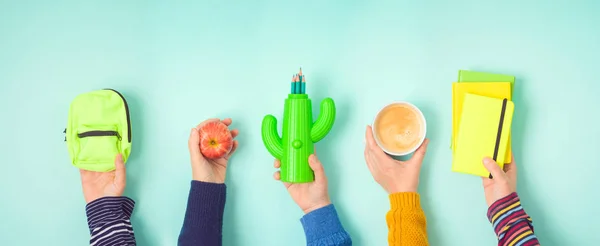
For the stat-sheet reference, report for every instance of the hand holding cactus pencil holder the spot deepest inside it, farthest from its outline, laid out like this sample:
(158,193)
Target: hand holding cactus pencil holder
(299,133)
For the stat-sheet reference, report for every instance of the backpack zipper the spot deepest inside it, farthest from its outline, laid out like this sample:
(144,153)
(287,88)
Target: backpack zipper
(99,134)
(126,112)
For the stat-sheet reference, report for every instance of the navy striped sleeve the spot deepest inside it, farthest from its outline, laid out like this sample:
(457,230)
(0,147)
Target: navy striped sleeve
(109,220)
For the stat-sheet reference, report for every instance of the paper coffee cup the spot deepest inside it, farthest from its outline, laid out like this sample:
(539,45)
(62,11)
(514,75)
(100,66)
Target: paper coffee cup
(399,128)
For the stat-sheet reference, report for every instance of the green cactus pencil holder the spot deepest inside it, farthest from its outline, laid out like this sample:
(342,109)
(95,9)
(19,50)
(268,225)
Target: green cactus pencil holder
(299,134)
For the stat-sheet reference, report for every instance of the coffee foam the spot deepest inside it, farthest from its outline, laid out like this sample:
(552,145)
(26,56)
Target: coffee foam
(399,128)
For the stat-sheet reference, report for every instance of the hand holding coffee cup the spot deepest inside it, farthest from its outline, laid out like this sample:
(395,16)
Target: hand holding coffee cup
(406,128)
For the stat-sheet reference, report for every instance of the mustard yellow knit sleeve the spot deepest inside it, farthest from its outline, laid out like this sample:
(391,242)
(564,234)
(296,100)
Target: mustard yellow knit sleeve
(406,220)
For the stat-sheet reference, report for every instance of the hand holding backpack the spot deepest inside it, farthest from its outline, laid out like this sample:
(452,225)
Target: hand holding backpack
(98,129)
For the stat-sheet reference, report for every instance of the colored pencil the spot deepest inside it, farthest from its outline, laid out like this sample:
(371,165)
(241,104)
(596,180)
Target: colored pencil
(293,90)
(296,82)
(299,84)
(303,90)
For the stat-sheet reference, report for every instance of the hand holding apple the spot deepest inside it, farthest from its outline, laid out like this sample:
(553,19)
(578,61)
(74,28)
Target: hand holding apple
(211,144)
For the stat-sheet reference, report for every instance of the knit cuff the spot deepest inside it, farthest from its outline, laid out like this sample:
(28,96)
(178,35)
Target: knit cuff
(114,207)
(405,200)
(206,203)
(323,224)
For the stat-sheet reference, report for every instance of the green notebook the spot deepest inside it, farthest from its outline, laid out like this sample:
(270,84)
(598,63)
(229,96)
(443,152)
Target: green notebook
(473,76)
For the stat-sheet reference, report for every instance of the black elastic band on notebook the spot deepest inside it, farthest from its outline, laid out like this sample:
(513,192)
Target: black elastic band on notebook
(499,132)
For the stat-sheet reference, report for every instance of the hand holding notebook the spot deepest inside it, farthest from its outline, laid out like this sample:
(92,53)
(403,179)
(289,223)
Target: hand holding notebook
(504,182)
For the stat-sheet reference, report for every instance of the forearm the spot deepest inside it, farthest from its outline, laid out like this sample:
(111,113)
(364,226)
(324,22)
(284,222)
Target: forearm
(406,220)
(203,221)
(512,225)
(109,221)
(323,227)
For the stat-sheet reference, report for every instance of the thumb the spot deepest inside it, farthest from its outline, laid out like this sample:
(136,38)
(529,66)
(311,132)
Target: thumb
(194,145)
(495,170)
(419,154)
(317,168)
(120,172)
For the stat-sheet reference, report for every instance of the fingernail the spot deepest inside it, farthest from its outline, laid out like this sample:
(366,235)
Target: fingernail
(487,160)
(312,158)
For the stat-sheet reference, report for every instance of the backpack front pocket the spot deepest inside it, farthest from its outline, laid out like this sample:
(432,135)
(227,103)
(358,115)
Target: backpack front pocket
(98,144)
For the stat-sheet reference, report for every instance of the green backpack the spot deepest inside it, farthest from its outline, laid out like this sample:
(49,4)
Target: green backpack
(98,129)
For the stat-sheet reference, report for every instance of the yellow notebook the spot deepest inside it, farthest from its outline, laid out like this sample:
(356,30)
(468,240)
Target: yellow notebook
(484,129)
(490,89)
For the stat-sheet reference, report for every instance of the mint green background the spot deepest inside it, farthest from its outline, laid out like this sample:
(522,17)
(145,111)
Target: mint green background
(179,62)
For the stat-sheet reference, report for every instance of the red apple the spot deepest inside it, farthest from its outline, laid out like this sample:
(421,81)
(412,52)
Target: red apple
(215,140)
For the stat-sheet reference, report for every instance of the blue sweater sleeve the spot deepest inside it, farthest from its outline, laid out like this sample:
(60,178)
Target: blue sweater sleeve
(323,227)
(203,222)
(109,220)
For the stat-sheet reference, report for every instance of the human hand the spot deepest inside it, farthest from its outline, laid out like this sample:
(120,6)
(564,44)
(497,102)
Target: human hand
(504,182)
(101,184)
(208,170)
(393,175)
(309,196)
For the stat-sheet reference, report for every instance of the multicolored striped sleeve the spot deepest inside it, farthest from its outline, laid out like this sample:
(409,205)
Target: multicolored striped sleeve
(109,221)
(512,225)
